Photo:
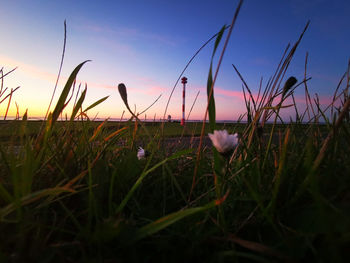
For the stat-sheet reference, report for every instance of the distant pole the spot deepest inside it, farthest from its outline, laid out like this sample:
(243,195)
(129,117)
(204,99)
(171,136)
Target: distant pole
(183,81)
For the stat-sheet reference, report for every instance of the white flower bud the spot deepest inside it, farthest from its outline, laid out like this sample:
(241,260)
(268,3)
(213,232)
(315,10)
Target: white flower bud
(223,142)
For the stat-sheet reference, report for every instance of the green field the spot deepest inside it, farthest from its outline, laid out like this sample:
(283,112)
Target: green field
(172,129)
(73,193)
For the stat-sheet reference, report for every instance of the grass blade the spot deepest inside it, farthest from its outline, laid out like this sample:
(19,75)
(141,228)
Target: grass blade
(30,198)
(114,134)
(62,99)
(95,103)
(78,105)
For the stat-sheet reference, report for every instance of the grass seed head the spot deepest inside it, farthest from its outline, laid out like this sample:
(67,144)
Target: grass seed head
(288,85)
(123,93)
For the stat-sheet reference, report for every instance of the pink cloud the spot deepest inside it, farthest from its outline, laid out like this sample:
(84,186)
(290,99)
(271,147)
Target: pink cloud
(151,87)
(230,93)
(220,91)
(27,69)
(153,90)
(146,90)
(34,71)
(324,100)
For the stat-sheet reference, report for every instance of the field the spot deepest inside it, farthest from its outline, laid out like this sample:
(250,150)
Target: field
(76,190)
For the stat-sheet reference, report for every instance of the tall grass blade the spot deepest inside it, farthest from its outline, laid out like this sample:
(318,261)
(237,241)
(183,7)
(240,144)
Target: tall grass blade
(183,71)
(212,125)
(62,99)
(210,84)
(60,69)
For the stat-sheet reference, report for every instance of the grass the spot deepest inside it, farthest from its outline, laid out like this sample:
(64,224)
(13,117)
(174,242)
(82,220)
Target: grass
(75,191)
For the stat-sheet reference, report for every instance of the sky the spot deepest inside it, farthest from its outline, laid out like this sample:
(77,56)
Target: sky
(146,45)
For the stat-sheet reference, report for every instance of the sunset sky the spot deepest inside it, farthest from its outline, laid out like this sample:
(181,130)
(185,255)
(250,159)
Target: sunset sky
(146,44)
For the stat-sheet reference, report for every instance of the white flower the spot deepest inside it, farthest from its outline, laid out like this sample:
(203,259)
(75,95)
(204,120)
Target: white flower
(141,153)
(223,142)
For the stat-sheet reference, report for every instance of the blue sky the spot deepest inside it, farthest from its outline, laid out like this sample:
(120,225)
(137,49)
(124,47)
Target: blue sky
(146,44)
